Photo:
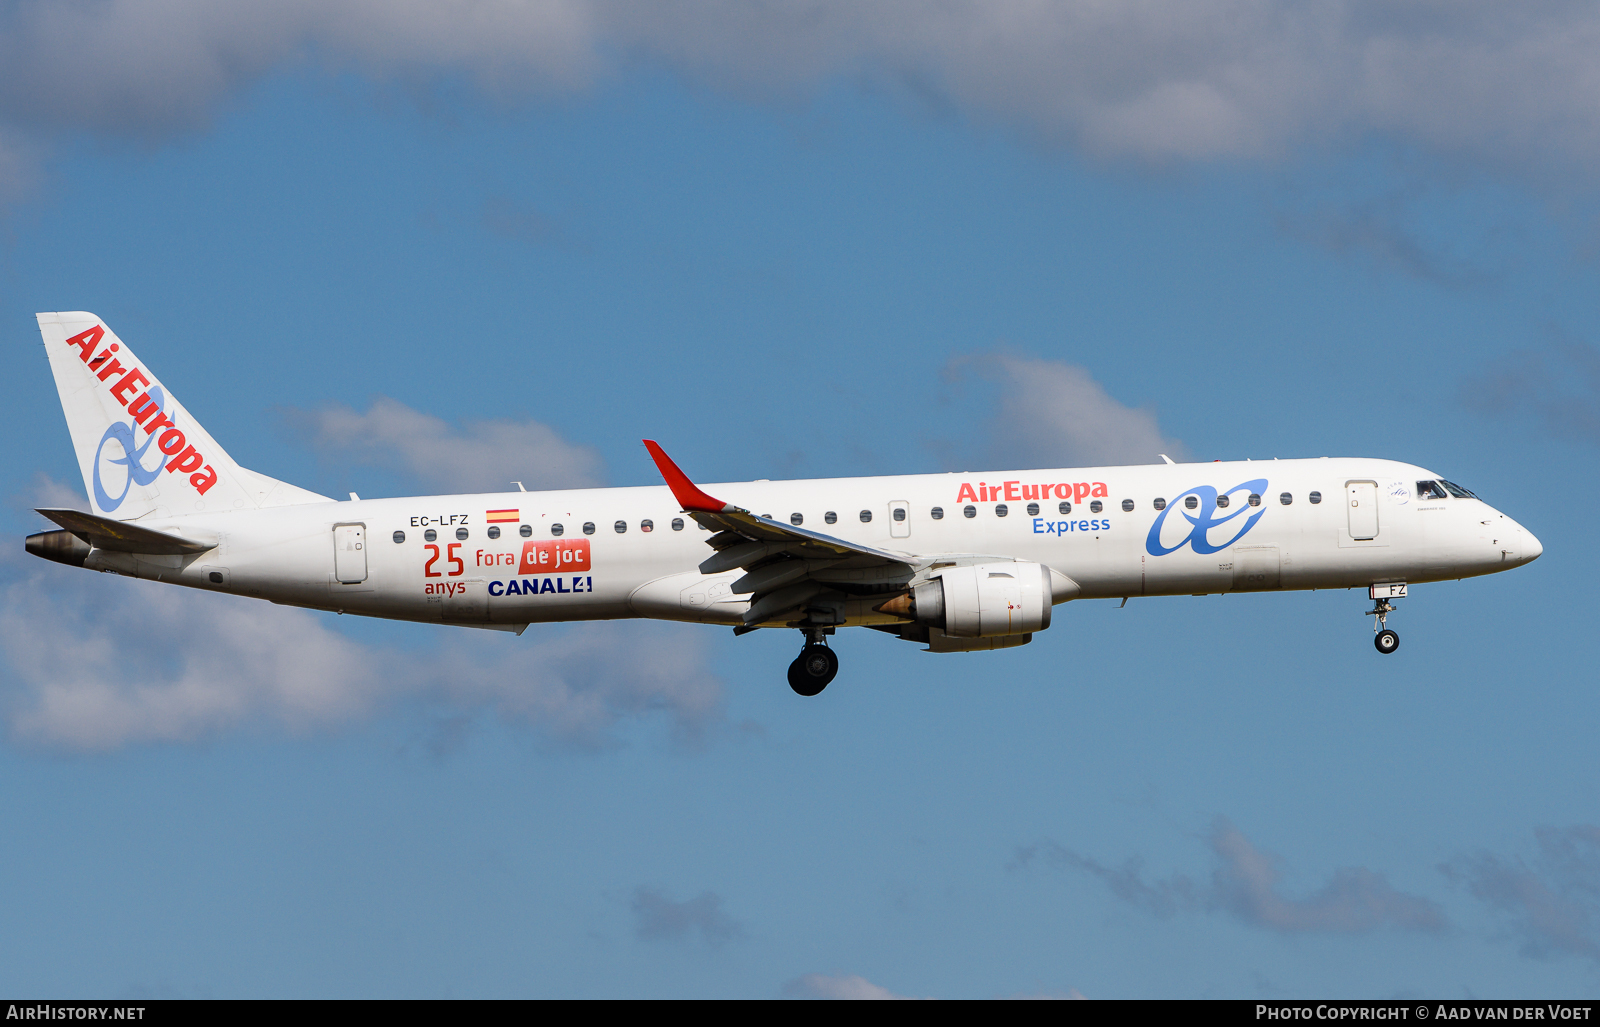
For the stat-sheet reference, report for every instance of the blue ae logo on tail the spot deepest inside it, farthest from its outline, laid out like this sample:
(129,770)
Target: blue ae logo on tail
(132,459)
(1204,518)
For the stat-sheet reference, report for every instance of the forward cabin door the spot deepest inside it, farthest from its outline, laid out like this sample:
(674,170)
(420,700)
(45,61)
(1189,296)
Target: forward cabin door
(899,519)
(350,553)
(1362,499)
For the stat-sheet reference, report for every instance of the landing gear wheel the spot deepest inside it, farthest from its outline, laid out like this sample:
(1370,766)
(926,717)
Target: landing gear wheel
(1386,641)
(811,671)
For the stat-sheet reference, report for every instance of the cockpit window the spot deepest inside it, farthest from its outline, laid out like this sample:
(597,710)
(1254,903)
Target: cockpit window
(1430,490)
(1457,490)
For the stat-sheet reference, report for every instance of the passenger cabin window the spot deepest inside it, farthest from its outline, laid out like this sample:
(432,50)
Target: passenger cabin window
(430,535)
(1457,490)
(620,527)
(1096,506)
(866,515)
(647,525)
(494,531)
(937,513)
(1427,490)
(1000,510)
(969,511)
(556,529)
(796,519)
(830,517)
(898,513)
(677,524)
(1191,502)
(1065,508)
(526,531)
(588,527)
(1255,499)
(1033,509)
(1127,506)
(1222,502)
(399,537)
(1285,498)
(1315,498)
(1159,503)
(461,534)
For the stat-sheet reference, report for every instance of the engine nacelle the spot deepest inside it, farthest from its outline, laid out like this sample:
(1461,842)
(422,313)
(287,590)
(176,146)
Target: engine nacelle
(986,600)
(60,546)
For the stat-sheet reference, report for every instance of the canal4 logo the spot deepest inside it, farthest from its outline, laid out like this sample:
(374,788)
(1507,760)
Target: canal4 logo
(1199,507)
(561,560)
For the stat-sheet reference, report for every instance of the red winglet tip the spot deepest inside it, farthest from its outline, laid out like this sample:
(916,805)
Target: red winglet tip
(685,491)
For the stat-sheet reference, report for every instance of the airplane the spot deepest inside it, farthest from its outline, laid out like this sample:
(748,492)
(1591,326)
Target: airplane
(955,562)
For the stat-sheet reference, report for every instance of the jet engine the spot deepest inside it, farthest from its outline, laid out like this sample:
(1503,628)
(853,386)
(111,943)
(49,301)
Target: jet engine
(60,546)
(985,600)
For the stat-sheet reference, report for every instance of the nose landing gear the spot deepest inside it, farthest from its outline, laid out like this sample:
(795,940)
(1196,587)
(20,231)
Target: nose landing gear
(816,665)
(1385,640)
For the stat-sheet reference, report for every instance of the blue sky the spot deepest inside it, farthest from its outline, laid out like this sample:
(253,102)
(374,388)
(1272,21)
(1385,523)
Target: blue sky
(400,252)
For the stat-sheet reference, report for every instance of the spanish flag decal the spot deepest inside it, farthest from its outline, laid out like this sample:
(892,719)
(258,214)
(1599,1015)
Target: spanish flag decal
(502,516)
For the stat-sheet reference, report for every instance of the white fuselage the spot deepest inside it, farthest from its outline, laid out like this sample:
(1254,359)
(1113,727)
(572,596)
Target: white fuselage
(374,557)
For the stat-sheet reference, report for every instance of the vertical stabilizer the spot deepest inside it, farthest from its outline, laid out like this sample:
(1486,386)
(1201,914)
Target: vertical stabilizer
(139,450)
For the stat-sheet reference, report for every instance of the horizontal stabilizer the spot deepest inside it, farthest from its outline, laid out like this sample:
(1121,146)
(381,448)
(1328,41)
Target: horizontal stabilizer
(123,537)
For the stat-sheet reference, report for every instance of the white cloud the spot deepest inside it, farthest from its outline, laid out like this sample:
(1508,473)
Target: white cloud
(1553,904)
(1053,414)
(479,456)
(1071,994)
(1354,898)
(658,918)
(1557,386)
(845,986)
(96,662)
(47,492)
(1245,884)
(1503,85)
(853,987)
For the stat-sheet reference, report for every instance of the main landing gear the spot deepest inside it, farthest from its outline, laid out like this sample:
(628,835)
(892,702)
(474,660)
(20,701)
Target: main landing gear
(1385,641)
(816,665)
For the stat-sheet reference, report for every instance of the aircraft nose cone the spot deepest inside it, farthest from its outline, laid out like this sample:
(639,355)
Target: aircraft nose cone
(1531,548)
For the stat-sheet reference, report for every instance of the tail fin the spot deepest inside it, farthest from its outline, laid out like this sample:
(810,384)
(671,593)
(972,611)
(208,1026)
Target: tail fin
(111,402)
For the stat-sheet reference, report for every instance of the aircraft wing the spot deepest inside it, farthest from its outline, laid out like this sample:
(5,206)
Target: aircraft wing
(123,536)
(788,568)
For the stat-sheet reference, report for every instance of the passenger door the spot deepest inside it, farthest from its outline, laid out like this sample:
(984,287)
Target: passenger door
(1362,500)
(350,553)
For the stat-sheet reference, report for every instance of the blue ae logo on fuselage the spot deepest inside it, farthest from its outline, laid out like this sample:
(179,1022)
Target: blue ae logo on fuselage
(1203,519)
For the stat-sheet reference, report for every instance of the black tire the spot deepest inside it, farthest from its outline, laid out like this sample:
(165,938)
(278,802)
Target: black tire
(1386,642)
(811,671)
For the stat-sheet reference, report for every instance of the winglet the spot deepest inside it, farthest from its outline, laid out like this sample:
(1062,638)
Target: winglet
(688,496)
